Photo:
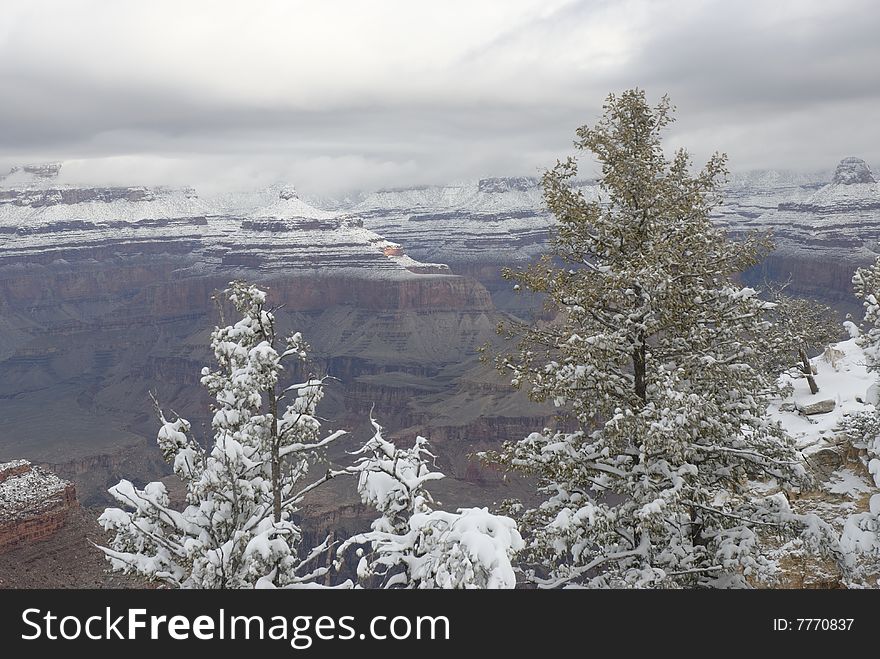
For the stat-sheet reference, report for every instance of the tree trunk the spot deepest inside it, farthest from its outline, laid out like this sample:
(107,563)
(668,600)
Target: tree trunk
(640,367)
(276,458)
(807,370)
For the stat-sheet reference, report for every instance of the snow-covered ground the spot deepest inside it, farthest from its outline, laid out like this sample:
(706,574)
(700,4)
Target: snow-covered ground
(843,377)
(847,492)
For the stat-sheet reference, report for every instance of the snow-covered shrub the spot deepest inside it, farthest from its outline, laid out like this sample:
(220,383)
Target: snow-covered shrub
(860,539)
(412,545)
(863,432)
(861,533)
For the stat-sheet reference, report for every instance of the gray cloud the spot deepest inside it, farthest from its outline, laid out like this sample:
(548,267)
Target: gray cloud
(341,94)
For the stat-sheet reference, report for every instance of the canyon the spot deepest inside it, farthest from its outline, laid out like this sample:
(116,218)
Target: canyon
(110,293)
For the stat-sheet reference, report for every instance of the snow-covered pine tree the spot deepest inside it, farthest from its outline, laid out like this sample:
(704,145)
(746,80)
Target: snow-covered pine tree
(860,539)
(237,530)
(866,284)
(658,355)
(411,545)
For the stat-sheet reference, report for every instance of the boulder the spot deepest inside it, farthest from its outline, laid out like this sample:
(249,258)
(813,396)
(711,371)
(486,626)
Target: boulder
(826,461)
(820,407)
(872,396)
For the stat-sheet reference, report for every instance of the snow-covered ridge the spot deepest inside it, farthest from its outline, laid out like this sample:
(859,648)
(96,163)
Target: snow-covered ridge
(41,221)
(33,207)
(501,220)
(838,198)
(31,175)
(492,220)
(835,226)
(485,195)
(505,220)
(776,179)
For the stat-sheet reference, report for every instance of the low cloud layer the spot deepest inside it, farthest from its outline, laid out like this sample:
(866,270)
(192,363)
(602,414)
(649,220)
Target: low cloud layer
(341,95)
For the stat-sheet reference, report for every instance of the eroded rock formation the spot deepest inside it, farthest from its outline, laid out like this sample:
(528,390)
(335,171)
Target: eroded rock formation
(852,171)
(34,504)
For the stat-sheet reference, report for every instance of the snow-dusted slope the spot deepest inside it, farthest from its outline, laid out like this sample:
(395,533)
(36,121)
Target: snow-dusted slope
(32,208)
(285,203)
(504,220)
(837,198)
(277,200)
(847,490)
(822,231)
(842,377)
(491,195)
(31,197)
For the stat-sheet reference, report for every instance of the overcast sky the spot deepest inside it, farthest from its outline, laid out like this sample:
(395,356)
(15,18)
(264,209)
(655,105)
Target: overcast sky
(343,94)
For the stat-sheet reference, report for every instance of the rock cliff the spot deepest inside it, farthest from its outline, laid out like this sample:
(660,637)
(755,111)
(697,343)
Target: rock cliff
(34,504)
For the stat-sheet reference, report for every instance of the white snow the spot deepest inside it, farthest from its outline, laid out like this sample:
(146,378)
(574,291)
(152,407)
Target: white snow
(29,492)
(844,481)
(843,377)
(272,228)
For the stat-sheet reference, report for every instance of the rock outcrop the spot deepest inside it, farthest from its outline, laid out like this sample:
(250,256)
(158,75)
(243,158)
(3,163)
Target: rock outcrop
(34,504)
(819,407)
(851,171)
(497,185)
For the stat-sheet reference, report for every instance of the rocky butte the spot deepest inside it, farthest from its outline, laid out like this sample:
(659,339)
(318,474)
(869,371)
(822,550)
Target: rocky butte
(852,171)
(34,504)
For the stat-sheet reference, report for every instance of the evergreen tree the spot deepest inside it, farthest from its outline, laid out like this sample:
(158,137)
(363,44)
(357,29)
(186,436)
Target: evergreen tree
(659,358)
(861,533)
(237,530)
(866,284)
